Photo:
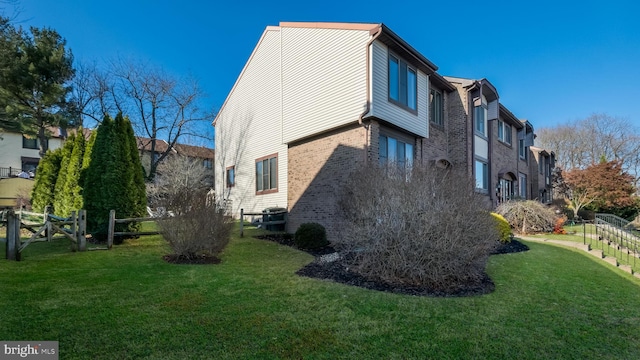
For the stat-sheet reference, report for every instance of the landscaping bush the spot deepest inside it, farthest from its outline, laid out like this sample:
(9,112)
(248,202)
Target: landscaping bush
(504,229)
(527,217)
(311,236)
(428,228)
(199,227)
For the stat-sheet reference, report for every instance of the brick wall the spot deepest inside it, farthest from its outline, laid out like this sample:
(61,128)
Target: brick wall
(317,169)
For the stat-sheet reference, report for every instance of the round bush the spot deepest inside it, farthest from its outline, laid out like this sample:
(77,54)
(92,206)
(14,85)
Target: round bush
(311,236)
(504,229)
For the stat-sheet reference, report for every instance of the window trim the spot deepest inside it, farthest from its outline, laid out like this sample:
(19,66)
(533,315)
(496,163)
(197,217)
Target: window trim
(506,129)
(259,160)
(402,65)
(485,177)
(485,124)
(432,107)
(232,169)
(522,189)
(35,140)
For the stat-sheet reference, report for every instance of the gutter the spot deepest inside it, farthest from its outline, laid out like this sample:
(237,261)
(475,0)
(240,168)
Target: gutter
(368,87)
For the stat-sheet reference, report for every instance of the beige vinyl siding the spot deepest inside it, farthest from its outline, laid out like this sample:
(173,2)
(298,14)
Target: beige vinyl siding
(383,109)
(248,128)
(323,79)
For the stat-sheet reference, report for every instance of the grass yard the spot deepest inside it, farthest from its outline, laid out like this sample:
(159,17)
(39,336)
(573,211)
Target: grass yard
(127,303)
(577,234)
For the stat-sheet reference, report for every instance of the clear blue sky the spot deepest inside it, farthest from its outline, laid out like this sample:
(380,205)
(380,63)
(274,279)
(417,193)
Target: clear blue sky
(551,61)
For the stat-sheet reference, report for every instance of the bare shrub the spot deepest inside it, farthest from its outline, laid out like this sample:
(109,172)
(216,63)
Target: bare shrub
(198,227)
(429,229)
(527,217)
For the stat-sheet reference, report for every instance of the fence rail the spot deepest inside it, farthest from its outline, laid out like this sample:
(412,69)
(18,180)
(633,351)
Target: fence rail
(618,242)
(112,226)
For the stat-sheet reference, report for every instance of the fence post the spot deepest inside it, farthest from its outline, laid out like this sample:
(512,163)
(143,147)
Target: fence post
(82,230)
(112,223)
(74,227)
(12,247)
(241,222)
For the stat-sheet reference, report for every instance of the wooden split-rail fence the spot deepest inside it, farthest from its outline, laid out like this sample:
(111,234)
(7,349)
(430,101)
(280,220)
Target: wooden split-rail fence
(111,233)
(44,227)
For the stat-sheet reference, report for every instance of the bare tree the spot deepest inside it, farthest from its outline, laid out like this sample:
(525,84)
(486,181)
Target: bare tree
(175,174)
(588,141)
(161,107)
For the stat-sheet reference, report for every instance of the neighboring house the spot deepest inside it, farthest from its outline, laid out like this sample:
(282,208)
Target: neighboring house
(315,100)
(542,165)
(204,155)
(21,154)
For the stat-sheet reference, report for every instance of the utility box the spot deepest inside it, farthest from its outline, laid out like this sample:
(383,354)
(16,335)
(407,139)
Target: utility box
(268,216)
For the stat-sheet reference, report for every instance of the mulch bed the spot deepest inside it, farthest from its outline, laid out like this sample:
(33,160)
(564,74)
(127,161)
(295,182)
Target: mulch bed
(338,271)
(197,260)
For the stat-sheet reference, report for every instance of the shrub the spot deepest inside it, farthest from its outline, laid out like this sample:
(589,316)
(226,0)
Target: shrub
(311,236)
(198,227)
(528,216)
(426,229)
(504,229)
(558,227)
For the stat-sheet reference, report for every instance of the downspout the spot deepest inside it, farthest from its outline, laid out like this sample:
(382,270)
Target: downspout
(368,89)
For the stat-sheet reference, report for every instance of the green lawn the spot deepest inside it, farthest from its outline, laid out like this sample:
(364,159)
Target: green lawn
(577,234)
(549,303)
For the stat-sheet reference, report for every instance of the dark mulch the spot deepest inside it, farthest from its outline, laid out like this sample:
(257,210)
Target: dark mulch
(195,260)
(339,271)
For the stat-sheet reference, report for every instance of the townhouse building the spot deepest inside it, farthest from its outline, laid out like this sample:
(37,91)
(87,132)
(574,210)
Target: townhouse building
(316,100)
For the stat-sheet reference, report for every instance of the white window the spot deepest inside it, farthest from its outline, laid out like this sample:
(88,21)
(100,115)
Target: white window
(403,83)
(522,179)
(267,174)
(504,132)
(436,107)
(482,175)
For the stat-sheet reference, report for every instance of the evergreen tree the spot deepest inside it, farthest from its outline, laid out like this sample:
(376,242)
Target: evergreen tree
(135,194)
(36,68)
(72,197)
(113,179)
(60,196)
(100,179)
(43,190)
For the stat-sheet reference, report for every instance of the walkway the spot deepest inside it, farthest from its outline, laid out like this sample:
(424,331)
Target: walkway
(576,245)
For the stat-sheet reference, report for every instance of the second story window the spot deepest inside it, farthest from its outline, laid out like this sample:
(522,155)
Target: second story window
(28,143)
(480,115)
(522,149)
(403,83)
(436,107)
(207,163)
(504,132)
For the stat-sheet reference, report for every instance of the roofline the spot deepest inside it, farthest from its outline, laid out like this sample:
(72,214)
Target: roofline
(514,119)
(407,47)
(330,25)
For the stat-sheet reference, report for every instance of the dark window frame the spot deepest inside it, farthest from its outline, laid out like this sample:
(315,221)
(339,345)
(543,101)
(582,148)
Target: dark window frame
(230,181)
(402,78)
(436,108)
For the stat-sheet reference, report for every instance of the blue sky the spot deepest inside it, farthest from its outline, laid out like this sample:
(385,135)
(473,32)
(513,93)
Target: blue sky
(552,61)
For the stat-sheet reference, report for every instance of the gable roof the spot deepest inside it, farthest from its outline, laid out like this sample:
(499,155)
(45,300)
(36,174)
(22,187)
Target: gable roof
(144,144)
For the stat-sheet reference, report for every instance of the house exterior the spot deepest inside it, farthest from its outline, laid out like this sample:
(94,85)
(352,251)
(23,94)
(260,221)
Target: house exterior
(204,155)
(315,100)
(19,153)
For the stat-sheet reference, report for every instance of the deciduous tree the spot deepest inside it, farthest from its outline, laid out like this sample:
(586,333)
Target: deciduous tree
(600,186)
